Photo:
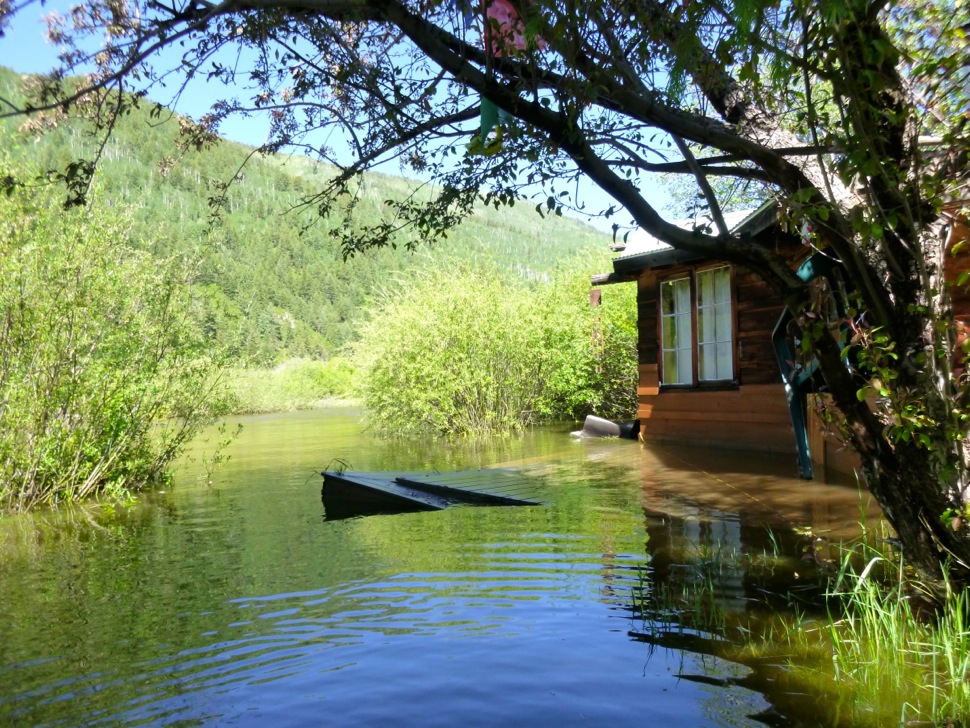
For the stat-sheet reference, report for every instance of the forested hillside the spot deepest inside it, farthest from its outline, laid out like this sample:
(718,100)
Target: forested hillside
(270,281)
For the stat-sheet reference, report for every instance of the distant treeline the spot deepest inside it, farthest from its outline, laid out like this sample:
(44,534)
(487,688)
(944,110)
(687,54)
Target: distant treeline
(269,282)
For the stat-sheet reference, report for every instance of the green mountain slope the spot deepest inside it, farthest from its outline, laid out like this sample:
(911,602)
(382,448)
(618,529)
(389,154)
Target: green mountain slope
(271,281)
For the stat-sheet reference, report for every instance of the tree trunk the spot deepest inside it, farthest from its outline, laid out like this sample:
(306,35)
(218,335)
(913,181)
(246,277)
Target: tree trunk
(908,487)
(911,448)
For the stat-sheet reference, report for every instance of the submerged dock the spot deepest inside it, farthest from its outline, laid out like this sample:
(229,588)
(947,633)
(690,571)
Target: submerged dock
(348,494)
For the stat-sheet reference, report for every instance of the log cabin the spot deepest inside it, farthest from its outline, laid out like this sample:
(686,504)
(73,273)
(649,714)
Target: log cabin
(708,357)
(707,369)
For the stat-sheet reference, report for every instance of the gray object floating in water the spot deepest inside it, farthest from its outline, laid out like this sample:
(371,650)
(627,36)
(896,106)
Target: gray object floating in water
(598,427)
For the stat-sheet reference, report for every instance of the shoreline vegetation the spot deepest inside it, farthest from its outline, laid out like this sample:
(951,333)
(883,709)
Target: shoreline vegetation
(468,352)
(290,386)
(853,630)
(239,309)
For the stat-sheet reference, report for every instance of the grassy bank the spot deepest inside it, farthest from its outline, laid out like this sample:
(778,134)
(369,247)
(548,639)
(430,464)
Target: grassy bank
(888,647)
(297,384)
(849,629)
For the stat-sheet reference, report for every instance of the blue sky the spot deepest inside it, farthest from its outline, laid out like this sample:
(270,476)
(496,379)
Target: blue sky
(24,49)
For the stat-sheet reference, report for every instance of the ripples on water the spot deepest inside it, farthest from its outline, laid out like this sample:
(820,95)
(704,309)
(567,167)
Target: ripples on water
(236,603)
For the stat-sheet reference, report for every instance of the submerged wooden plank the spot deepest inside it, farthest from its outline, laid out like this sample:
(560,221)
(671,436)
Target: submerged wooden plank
(492,486)
(352,494)
(364,493)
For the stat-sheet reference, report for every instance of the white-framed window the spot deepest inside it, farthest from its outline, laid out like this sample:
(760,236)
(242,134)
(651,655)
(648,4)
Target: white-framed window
(715,328)
(676,342)
(702,299)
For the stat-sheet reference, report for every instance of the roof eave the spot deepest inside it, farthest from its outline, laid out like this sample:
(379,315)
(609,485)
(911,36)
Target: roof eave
(759,220)
(606,279)
(654,259)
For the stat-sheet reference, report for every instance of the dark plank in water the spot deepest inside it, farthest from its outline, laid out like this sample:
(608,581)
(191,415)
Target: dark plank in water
(361,493)
(495,486)
(356,494)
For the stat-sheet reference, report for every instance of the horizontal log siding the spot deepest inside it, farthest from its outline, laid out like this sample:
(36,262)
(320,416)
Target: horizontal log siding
(648,312)
(752,416)
(758,310)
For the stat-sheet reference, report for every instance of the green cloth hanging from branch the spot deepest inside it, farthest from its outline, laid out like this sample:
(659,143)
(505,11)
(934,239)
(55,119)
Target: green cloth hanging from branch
(488,141)
(504,35)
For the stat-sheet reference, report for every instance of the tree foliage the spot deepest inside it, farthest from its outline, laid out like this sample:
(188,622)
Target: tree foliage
(267,289)
(851,113)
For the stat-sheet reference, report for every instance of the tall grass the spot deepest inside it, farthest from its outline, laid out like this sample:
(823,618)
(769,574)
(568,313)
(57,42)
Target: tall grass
(894,650)
(875,648)
(296,384)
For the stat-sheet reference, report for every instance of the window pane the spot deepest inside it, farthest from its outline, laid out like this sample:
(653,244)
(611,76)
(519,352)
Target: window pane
(677,367)
(666,298)
(683,295)
(706,362)
(683,331)
(705,289)
(675,296)
(684,373)
(668,331)
(709,326)
(723,327)
(725,361)
(670,367)
(722,285)
(705,326)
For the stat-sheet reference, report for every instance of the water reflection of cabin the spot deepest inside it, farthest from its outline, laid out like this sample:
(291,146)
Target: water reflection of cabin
(708,372)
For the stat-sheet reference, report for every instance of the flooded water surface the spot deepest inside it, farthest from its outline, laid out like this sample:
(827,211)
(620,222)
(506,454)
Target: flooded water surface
(227,598)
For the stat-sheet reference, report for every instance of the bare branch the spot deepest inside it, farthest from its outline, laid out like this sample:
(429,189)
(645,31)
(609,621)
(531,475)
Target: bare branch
(705,186)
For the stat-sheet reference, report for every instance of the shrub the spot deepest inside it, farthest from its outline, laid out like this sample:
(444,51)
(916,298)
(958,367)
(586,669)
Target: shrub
(448,351)
(103,375)
(593,348)
(461,351)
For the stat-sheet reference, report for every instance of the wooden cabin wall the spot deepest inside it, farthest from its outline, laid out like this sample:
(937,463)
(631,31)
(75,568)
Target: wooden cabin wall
(753,415)
(758,310)
(648,317)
